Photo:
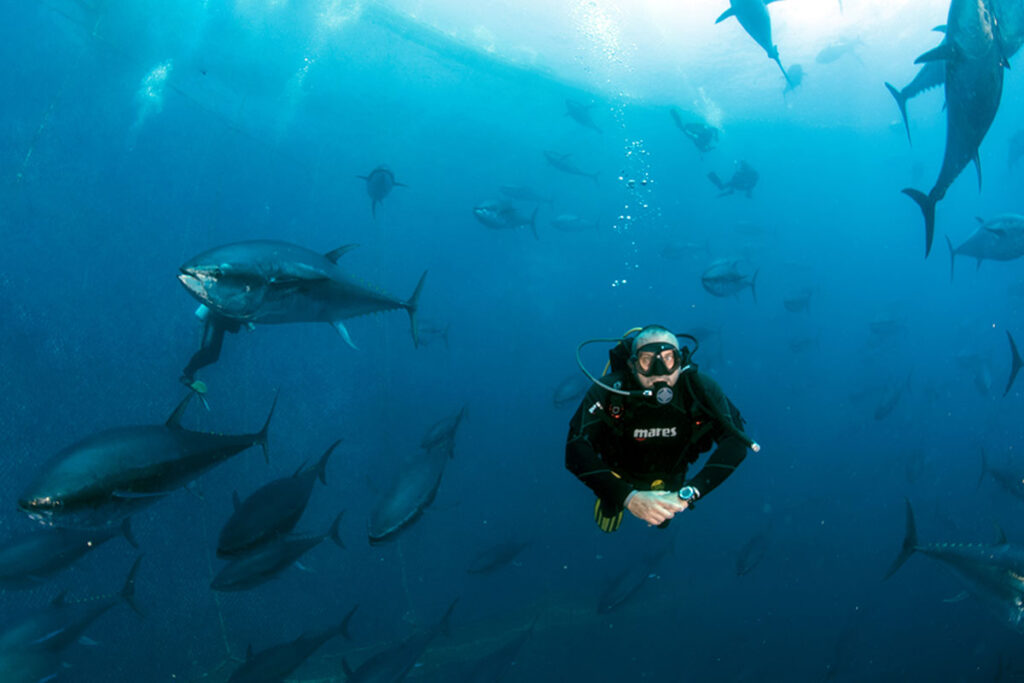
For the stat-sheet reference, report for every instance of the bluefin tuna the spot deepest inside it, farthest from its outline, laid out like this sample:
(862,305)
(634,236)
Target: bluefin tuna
(62,623)
(27,560)
(275,663)
(1011,482)
(564,163)
(394,664)
(755,20)
(108,476)
(412,491)
(998,239)
(442,433)
(269,560)
(379,184)
(504,216)
(496,556)
(580,113)
(723,278)
(993,574)
(272,510)
(974,62)
(270,282)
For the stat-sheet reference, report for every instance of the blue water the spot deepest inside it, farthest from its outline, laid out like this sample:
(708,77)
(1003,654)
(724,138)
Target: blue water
(105,191)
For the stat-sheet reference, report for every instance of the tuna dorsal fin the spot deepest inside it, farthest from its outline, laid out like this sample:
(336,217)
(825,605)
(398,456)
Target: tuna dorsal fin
(174,421)
(725,15)
(235,500)
(943,52)
(941,28)
(336,254)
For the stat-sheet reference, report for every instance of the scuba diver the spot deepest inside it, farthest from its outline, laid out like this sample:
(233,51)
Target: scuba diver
(643,424)
(214,328)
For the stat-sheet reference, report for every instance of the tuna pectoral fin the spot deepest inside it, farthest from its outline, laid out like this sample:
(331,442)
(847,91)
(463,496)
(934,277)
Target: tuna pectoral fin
(909,543)
(977,166)
(952,257)
(321,467)
(927,205)
(1015,363)
(333,534)
(336,254)
(128,591)
(901,102)
(174,421)
(725,15)
(411,306)
(343,331)
(941,53)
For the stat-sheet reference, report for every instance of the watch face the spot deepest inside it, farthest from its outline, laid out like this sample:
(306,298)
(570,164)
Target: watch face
(686,493)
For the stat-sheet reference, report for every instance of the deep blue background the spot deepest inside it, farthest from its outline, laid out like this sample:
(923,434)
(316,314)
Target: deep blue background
(97,213)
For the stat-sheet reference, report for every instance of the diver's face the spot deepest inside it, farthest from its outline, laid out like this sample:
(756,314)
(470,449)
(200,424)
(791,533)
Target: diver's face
(655,362)
(649,382)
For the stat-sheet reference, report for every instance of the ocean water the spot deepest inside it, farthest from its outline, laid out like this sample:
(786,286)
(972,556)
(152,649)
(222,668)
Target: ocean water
(137,134)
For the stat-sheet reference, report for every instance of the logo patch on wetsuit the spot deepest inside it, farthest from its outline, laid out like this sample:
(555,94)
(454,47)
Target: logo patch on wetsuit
(657,432)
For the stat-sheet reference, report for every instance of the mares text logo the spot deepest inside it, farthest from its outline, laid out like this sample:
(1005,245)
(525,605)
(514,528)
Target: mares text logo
(665,432)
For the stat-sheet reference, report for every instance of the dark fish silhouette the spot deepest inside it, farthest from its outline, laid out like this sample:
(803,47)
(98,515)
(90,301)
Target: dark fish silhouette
(28,559)
(269,560)
(974,62)
(570,390)
(62,623)
(108,476)
(993,574)
(394,664)
(496,557)
(412,491)
(1015,363)
(269,282)
(723,279)
(753,551)
(890,399)
(272,510)
(442,432)
(580,113)
(493,667)
(504,216)
(1011,482)
(798,301)
(626,584)
(379,184)
(275,663)
(563,162)
(755,20)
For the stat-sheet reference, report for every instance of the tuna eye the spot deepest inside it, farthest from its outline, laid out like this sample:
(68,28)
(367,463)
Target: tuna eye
(218,273)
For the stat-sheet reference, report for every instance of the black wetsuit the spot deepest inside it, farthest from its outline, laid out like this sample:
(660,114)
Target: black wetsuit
(619,444)
(213,338)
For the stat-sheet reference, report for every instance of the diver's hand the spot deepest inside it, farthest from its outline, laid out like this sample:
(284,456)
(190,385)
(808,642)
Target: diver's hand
(655,507)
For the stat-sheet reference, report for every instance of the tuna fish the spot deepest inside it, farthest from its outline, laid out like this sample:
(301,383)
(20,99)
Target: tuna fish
(974,61)
(564,163)
(394,664)
(62,623)
(753,551)
(275,663)
(998,239)
(272,510)
(930,75)
(723,278)
(629,581)
(379,184)
(108,476)
(570,390)
(442,432)
(496,556)
(411,493)
(993,574)
(28,559)
(1011,482)
(839,49)
(580,113)
(755,20)
(504,216)
(269,282)
(269,560)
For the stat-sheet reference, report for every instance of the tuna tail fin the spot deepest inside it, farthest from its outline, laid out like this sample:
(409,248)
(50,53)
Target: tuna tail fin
(333,534)
(261,437)
(128,592)
(533,221)
(909,543)
(321,467)
(901,102)
(411,305)
(126,531)
(1016,363)
(952,257)
(343,626)
(781,68)
(927,205)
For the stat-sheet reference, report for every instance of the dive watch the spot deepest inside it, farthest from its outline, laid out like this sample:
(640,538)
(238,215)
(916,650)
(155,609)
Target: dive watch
(689,495)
